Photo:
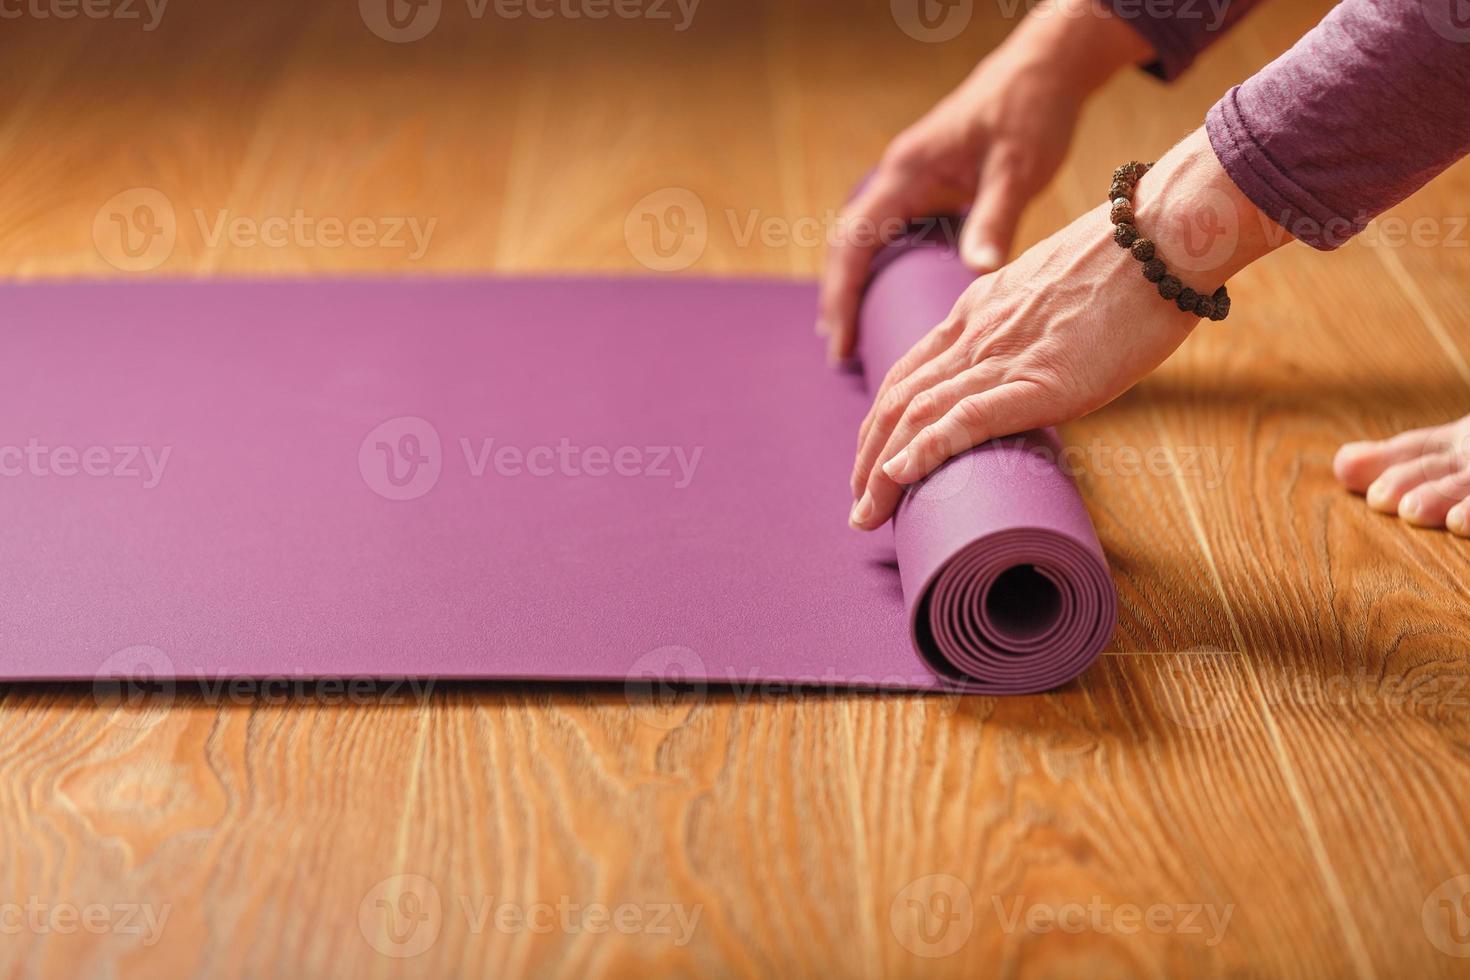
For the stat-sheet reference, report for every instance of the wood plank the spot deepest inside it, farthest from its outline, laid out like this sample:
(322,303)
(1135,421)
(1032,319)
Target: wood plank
(1240,748)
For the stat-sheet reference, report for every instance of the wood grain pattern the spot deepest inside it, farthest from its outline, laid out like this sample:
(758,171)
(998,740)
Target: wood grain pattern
(1270,761)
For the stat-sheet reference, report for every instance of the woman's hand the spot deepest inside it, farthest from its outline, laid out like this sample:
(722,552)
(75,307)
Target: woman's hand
(1063,330)
(994,142)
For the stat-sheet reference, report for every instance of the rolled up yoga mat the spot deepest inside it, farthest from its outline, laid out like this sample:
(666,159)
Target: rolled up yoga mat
(1005,581)
(537,479)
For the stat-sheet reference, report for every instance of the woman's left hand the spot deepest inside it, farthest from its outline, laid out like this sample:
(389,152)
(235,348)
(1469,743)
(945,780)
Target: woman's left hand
(1063,330)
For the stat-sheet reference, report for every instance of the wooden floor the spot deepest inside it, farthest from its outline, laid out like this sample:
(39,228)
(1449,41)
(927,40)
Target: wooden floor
(1266,775)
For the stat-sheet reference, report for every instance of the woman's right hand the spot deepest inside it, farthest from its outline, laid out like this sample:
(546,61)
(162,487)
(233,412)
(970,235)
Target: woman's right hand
(991,145)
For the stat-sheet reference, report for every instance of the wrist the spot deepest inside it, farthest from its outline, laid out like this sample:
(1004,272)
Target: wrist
(1203,226)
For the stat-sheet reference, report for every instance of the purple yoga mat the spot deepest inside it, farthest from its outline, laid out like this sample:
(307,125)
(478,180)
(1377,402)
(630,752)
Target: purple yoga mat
(520,479)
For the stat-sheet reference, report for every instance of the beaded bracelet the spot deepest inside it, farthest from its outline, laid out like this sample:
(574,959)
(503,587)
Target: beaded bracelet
(1125,179)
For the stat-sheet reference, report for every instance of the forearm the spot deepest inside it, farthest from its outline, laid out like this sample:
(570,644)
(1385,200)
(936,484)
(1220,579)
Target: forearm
(1361,112)
(1076,44)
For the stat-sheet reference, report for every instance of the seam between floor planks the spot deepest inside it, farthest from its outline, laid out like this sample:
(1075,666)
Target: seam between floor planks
(1427,316)
(859,836)
(405,817)
(1346,923)
(1071,188)
(527,122)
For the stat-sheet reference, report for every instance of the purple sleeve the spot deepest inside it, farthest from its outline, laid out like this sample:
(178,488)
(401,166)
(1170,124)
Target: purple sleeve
(1179,29)
(1359,114)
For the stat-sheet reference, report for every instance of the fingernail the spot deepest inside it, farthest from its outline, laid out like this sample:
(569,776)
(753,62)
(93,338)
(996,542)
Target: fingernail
(1377,495)
(895,467)
(986,257)
(861,511)
(1410,506)
(1455,520)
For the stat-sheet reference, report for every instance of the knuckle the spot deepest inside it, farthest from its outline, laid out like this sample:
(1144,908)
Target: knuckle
(895,373)
(929,446)
(970,413)
(894,404)
(922,408)
(904,151)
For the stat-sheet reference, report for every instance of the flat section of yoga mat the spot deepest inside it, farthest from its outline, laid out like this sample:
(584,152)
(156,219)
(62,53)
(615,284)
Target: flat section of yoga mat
(272,544)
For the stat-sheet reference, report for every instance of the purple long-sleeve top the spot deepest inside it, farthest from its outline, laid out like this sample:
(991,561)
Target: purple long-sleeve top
(1362,111)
